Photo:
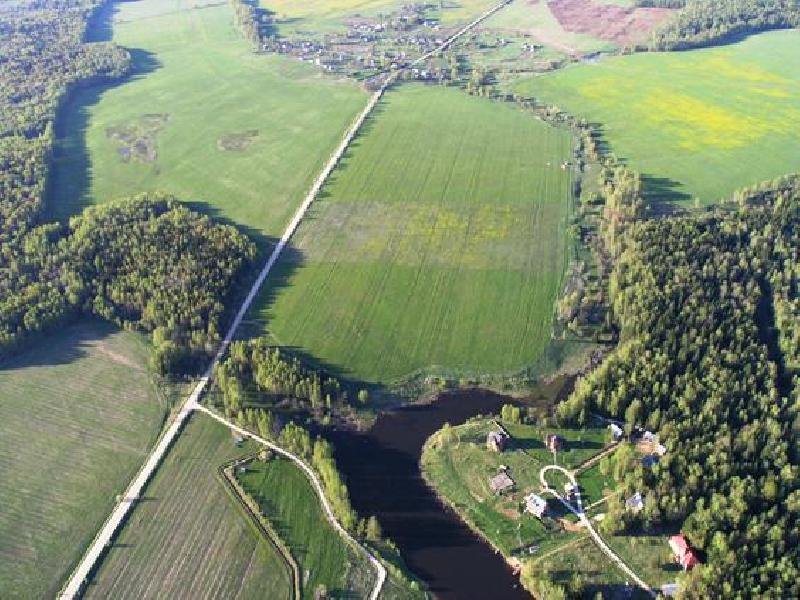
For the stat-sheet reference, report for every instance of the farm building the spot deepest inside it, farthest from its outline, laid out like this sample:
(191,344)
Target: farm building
(554,442)
(497,441)
(616,432)
(536,505)
(684,555)
(635,503)
(501,483)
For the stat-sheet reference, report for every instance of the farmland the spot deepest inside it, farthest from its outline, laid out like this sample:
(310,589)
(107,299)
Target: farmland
(697,124)
(188,537)
(239,134)
(292,507)
(439,242)
(77,416)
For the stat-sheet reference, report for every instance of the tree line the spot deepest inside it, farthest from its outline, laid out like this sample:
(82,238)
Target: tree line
(708,309)
(707,22)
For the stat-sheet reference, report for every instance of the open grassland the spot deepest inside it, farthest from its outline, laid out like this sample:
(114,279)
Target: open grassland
(287,499)
(440,242)
(698,124)
(457,463)
(203,117)
(189,537)
(77,415)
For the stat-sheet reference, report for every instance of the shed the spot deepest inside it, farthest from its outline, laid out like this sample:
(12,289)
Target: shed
(616,432)
(684,555)
(536,505)
(501,483)
(497,441)
(554,442)
(635,503)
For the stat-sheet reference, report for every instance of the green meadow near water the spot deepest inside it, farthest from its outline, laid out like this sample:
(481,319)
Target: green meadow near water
(439,244)
(202,116)
(701,123)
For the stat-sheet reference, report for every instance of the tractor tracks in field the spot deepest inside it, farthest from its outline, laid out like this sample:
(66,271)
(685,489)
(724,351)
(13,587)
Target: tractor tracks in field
(93,555)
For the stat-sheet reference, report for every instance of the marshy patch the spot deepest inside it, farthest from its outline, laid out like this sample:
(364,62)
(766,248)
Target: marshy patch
(137,140)
(237,142)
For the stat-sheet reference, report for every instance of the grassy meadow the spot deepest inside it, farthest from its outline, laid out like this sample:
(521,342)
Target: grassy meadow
(242,135)
(439,242)
(287,499)
(699,124)
(77,416)
(188,537)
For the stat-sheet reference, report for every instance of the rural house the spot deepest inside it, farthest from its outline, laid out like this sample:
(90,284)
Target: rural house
(616,432)
(536,505)
(554,442)
(501,483)
(684,555)
(635,503)
(497,441)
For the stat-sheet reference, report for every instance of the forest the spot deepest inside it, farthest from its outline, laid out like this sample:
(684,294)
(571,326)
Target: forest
(146,263)
(708,22)
(707,308)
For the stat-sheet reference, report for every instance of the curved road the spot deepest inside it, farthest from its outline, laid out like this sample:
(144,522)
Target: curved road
(581,514)
(91,558)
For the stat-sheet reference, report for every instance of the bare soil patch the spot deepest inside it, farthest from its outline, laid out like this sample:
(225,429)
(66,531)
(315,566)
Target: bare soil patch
(619,24)
(237,142)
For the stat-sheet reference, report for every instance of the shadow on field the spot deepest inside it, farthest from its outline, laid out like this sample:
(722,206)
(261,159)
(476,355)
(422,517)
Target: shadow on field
(71,173)
(61,345)
(664,195)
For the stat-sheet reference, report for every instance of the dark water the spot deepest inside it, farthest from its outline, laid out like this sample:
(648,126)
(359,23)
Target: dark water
(381,467)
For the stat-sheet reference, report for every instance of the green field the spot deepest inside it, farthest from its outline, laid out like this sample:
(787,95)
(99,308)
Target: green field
(188,537)
(697,124)
(77,415)
(289,502)
(459,466)
(202,117)
(440,242)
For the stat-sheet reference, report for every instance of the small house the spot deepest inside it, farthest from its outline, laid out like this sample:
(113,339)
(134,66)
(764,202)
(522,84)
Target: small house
(649,437)
(501,483)
(684,555)
(554,442)
(635,503)
(536,505)
(570,490)
(616,432)
(497,441)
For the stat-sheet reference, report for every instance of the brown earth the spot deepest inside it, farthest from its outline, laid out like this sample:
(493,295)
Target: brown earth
(618,24)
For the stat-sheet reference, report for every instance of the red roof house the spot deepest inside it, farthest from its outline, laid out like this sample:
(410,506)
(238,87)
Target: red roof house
(684,555)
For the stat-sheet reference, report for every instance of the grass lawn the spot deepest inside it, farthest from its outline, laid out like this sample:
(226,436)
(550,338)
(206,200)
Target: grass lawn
(698,124)
(648,555)
(594,485)
(188,537)
(289,502)
(77,416)
(439,244)
(459,466)
(242,135)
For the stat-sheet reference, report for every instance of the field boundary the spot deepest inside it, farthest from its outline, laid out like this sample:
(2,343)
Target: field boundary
(259,520)
(79,577)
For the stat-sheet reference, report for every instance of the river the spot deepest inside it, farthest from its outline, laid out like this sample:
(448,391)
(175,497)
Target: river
(382,471)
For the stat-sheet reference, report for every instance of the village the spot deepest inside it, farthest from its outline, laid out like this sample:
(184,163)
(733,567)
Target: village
(534,491)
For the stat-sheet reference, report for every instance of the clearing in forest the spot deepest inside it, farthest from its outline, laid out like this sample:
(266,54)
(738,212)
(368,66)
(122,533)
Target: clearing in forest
(699,124)
(439,242)
(188,537)
(77,417)
(202,117)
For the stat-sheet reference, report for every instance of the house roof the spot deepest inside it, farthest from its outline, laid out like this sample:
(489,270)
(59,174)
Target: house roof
(535,504)
(678,544)
(501,482)
(635,502)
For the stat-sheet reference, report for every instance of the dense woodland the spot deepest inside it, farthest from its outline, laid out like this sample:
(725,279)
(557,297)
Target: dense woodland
(708,311)
(707,22)
(146,263)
